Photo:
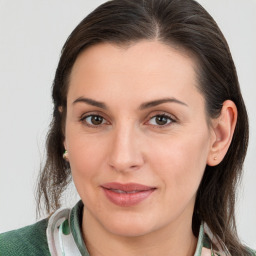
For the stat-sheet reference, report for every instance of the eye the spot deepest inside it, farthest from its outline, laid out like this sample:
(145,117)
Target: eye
(93,120)
(160,120)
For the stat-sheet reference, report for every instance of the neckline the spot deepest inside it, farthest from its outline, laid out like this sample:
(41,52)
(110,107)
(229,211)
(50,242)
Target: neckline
(76,216)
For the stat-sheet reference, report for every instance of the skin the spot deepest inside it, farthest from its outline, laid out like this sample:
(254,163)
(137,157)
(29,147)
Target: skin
(131,146)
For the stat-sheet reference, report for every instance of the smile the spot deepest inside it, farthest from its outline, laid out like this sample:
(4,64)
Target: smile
(126,195)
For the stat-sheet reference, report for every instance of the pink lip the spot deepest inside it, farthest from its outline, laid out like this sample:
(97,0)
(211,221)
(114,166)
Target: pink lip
(126,195)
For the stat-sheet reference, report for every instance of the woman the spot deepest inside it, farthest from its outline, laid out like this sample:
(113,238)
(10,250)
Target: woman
(150,123)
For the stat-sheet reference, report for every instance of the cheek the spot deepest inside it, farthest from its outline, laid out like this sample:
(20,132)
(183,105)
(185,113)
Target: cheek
(86,157)
(85,163)
(181,161)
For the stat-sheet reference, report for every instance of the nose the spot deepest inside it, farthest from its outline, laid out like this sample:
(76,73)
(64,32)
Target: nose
(126,150)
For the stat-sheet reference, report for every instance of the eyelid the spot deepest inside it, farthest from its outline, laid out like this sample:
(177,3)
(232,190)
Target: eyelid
(162,113)
(92,113)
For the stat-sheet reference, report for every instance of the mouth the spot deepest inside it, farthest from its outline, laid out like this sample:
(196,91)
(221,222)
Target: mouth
(126,192)
(126,195)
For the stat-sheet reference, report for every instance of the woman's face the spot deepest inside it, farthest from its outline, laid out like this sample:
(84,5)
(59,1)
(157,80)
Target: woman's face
(137,136)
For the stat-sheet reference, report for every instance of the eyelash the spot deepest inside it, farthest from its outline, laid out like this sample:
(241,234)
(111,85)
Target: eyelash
(169,118)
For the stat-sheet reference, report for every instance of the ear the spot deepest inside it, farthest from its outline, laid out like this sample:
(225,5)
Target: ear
(223,129)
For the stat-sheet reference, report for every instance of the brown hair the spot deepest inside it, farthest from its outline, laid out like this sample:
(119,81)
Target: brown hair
(184,23)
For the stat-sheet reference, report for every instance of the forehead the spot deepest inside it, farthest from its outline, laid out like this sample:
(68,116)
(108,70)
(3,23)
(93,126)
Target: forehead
(152,53)
(148,68)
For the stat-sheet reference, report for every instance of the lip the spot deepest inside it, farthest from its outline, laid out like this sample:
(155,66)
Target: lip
(128,194)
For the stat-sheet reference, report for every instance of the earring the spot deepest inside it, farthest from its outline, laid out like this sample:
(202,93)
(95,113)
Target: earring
(215,158)
(65,155)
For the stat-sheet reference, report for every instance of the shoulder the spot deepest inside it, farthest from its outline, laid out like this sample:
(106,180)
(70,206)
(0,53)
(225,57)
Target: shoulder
(30,240)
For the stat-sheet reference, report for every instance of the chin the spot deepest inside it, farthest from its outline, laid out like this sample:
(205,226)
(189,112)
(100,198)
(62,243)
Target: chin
(131,226)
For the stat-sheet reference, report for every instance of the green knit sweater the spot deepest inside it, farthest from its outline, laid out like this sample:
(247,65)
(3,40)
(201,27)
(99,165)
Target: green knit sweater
(30,241)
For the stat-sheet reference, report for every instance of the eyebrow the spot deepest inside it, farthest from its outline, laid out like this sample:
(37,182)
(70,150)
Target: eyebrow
(91,102)
(154,103)
(143,106)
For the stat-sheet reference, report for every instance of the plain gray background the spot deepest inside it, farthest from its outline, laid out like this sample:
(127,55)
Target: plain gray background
(32,33)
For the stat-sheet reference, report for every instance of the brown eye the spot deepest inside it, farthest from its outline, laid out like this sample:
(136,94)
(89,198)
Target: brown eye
(94,120)
(160,120)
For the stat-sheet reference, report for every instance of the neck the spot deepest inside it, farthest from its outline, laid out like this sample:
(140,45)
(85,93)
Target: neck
(176,239)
